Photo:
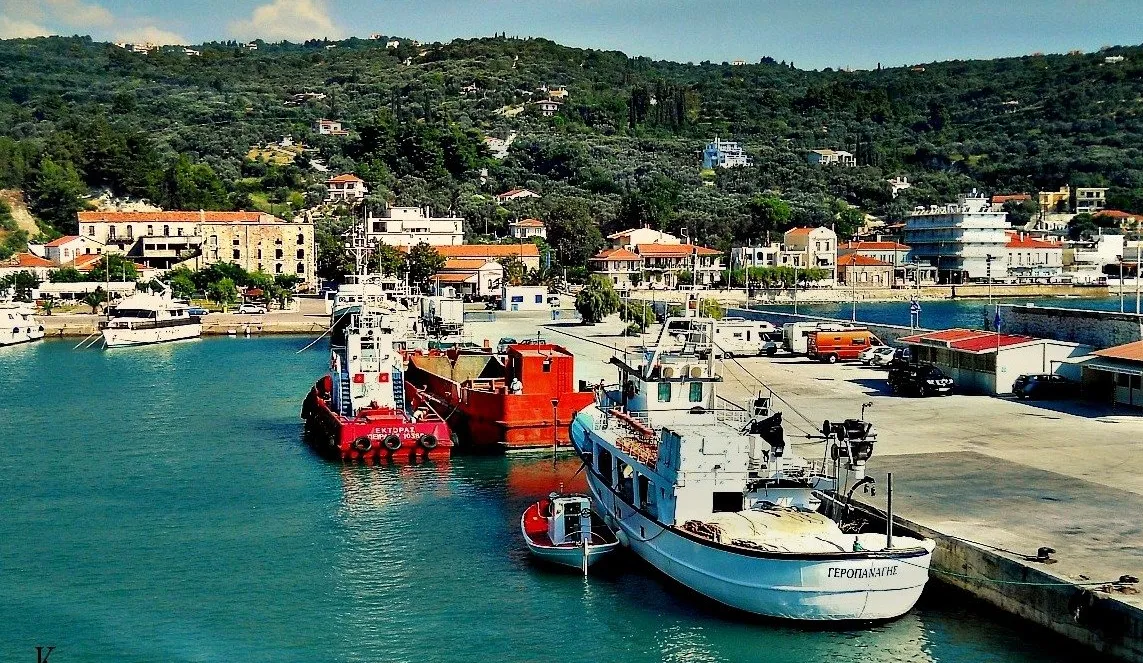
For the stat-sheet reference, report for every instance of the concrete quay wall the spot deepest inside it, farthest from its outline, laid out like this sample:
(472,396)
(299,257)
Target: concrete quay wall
(79,326)
(1092,615)
(1098,329)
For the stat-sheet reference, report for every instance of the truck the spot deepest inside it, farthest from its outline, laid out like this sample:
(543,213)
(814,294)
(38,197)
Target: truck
(795,334)
(832,346)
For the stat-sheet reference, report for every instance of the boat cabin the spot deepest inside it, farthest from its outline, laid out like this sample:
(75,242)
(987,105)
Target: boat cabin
(570,519)
(366,370)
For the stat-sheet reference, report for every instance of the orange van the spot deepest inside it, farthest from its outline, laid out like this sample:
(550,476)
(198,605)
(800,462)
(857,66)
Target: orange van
(844,345)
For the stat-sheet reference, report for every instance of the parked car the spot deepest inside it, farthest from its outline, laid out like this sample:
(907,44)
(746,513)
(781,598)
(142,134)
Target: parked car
(197,310)
(1043,385)
(253,309)
(918,379)
(877,355)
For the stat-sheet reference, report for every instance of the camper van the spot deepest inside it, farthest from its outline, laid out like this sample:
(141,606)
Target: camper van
(839,345)
(733,337)
(795,334)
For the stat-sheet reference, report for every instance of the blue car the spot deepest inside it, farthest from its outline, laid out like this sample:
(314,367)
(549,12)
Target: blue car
(197,310)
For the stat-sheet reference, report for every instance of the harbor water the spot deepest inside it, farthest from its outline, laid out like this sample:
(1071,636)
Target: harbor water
(945,313)
(159,505)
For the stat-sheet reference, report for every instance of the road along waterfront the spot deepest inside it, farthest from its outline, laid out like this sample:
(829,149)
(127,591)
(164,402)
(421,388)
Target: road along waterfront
(160,505)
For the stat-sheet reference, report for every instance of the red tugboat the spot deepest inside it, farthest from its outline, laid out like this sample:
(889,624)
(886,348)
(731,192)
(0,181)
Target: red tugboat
(521,398)
(358,412)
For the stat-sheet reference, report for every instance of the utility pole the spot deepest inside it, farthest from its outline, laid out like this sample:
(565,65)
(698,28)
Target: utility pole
(988,275)
(852,287)
(1138,263)
(1121,283)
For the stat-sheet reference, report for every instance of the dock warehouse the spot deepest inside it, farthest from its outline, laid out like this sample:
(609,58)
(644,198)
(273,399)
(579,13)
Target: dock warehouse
(1115,374)
(987,362)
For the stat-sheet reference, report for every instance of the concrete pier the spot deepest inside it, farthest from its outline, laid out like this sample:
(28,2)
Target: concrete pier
(990,479)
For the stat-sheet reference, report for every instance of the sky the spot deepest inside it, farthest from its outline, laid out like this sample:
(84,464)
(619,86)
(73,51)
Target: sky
(813,34)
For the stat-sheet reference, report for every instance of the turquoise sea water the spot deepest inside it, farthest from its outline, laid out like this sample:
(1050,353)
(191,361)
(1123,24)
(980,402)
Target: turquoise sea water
(158,505)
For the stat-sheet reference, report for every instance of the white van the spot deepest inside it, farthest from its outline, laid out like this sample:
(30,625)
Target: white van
(733,337)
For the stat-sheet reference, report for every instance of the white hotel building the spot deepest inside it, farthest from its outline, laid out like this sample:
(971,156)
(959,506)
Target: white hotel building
(409,226)
(958,238)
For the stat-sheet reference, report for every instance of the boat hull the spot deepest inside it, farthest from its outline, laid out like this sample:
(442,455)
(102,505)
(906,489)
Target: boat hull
(491,421)
(811,587)
(533,527)
(570,556)
(32,334)
(364,438)
(117,338)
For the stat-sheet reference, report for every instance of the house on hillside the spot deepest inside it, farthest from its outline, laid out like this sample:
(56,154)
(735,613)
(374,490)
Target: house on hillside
(724,154)
(69,247)
(516,194)
(899,184)
(346,187)
(409,226)
(832,158)
(329,128)
(1090,199)
(548,107)
(526,229)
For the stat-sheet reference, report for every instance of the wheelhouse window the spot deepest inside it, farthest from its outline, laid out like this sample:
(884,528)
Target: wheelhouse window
(664,392)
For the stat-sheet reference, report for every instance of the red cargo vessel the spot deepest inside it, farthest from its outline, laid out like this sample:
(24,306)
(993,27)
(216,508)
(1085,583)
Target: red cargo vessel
(523,398)
(358,411)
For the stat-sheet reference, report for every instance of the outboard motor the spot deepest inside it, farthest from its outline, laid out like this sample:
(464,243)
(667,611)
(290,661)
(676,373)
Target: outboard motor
(855,438)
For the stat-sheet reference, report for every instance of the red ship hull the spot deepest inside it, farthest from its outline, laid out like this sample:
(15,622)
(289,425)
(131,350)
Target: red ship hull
(485,413)
(374,435)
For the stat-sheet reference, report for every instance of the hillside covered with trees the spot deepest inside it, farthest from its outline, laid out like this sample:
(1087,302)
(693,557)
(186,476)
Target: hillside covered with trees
(624,149)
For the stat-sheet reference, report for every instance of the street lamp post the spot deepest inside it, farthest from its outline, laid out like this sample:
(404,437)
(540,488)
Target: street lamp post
(988,275)
(1121,283)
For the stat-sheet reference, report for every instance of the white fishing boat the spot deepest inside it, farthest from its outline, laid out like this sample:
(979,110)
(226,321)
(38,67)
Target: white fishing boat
(18,324)
(710,497)
(146,319)
(562,529)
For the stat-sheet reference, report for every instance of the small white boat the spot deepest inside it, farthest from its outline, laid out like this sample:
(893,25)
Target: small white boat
(18,324)
(562,530)
(146,319)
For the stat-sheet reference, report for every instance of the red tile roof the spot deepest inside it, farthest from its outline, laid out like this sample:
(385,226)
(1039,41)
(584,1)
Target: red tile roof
(65,239)
(873,246)
(674,250)
(28,260)
(615,254)
(1127,352)
(454,277)
(178,216)
(345,177)
(528,223)
(464,263)
(489,251)
(1019,241)
(798,232)
(1117,214)
(515,192)
(861,261)
(1005,197)
(967,340)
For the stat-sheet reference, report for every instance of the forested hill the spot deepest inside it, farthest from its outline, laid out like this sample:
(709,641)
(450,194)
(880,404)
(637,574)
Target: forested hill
(624,149)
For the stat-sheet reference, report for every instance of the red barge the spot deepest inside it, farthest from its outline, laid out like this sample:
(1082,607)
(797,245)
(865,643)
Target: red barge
(358,411)
(521,398)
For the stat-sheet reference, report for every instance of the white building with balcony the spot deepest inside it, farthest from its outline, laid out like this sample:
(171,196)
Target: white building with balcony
(1027,256)
(409,226)
(1090,199)
(527,229)
(811,247)
(346,187)
(724,154)
(831,158)
(958,238)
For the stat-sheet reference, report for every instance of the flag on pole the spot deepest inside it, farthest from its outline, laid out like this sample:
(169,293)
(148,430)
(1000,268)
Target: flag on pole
(996,320)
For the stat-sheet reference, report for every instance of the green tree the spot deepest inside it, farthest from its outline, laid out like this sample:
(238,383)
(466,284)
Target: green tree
(639,316)
(768,214)
(57,195)
(1020,212)
(66,275)
(388,260)
(422,263)
(223,292)
(182,285)
(114,267)
(21,284)
(47,305)
(187,185)
(596,301)
(95,299)
(514,270)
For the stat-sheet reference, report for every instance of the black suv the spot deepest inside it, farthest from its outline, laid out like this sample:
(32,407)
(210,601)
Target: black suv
(919,379)
(1043,385)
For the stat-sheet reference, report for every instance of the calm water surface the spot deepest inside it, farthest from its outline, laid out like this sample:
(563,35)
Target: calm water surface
(158,505)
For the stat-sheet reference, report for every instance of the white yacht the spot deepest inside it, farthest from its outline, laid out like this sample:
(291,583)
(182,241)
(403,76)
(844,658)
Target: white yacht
(145,319)
(18,324)
(710,497)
